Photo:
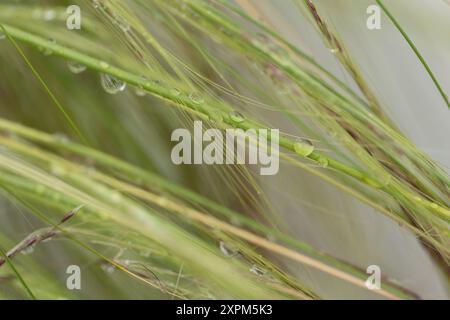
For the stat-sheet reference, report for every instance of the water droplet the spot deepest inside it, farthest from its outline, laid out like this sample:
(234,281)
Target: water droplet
(111,84)
(76,67)
(95,4)
(49,15)
(434,206)
(28,250)
(227,251)
(323,162)
(257,270)
(174,91)
(48,51)
(196,98)
(334,50)
(303,147)
(139,92)
(107,267)
(104,65)
(237,117)
(122,23)
(144,82)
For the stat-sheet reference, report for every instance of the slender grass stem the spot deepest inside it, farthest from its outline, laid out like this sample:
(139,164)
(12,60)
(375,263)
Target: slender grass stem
(416,51)
(16,272)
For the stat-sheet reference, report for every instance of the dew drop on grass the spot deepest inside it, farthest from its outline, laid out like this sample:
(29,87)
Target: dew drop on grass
(237,117)
(196,98)
(107,267)
(227,251)
(48,51)
(334,50)
(104,65)
(28,250)
(323,162)
(434,206)
(112,85)
(303,147)
(122,23)
(175,92)
(49,15)
(139,92)
(145,81)
(257,270)
(76,67)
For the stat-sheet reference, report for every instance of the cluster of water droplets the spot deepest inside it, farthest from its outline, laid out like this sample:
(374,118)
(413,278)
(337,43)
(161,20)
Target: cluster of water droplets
(44,14)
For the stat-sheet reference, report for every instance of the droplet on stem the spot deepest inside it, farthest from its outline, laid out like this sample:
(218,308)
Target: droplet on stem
(323,162)
(303,147)
(237,117)
(257,270)
(176,92)
(227,251)
(196,98)
(49,15)
(139,92)
(112,85)
(76,67)
(48,51)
